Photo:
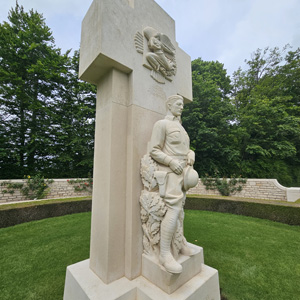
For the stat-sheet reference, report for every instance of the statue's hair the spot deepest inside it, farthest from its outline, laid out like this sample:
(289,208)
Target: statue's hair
(172,99)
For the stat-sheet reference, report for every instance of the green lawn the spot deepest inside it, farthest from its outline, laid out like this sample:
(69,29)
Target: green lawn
(256,259)
(34,256)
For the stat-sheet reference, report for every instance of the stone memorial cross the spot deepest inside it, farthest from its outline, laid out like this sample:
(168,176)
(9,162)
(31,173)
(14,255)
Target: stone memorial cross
(128,49)
(129,101)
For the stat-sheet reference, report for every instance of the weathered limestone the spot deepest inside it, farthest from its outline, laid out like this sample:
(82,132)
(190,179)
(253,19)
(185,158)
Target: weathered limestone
(82,283)
(128,104)
(133,79)
(167,174)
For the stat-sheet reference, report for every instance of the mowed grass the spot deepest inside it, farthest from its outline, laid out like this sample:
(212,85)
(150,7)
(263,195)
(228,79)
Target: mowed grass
(257,259)
(34,256)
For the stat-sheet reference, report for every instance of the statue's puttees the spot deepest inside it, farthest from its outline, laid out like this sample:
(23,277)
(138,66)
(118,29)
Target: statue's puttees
(167,173)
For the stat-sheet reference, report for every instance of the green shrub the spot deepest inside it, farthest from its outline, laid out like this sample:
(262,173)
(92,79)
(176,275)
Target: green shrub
(226,186)
(11,187)
(278,213)
(82,185)
(36,187)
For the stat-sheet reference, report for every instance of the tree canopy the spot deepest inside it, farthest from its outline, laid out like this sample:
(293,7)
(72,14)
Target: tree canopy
(42,102)
(249,125)
(246,125)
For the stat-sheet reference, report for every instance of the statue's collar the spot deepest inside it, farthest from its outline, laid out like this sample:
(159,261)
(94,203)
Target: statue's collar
(173,118)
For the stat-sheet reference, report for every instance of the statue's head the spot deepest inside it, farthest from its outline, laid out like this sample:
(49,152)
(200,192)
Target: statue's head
(174,104)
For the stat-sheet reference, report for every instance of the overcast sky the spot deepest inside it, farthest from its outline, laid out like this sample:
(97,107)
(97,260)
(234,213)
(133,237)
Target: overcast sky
(224,30)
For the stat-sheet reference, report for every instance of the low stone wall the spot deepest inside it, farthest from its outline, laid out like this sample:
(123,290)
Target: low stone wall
(254,188)
(258,189)
(60,188)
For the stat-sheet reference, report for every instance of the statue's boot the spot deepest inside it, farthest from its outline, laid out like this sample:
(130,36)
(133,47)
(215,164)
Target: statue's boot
(168,227)
(170,264)
(186,250)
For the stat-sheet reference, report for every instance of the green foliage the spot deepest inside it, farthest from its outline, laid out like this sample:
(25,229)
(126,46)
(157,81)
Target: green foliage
(47,113)
(208,118)
(74,127)
(248,125)
(256,208)
(226,186)
(268,115)
(29,72)
(252,125)
(81,185)
(11,187)
(29,203)
(36,187)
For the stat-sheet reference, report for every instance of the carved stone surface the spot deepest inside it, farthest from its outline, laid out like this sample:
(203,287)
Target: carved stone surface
(129,102)
(159,53)
(167,174)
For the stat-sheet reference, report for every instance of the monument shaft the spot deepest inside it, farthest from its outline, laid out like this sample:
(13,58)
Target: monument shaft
(129,102)
(128,49)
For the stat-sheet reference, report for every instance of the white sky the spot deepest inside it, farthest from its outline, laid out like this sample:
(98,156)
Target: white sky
(224,30)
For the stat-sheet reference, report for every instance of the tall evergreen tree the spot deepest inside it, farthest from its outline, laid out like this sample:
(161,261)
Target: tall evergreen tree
(30,72)
(73,125)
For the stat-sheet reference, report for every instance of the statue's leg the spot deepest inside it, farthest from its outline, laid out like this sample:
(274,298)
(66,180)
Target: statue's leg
(173,199)
(168,228)
(185,249)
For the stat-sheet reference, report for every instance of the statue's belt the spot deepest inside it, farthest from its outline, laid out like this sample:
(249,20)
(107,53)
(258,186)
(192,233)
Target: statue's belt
(179,157)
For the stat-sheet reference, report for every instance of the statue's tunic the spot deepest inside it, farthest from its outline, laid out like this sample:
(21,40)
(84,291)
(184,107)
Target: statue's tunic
(170,141)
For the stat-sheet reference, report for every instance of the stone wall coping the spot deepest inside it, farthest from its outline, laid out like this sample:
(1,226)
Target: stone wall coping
(56,179)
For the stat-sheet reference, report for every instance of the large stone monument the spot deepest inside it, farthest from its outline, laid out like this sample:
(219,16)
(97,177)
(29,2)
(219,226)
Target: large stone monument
(129,50)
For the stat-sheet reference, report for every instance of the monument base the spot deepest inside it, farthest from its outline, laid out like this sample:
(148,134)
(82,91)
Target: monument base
(168,282)
(83,284)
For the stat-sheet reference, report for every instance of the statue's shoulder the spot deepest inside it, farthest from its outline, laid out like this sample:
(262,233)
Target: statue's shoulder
(161,123)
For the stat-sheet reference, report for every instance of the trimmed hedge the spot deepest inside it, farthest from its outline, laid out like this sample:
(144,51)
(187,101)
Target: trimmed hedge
(16,216)
(279,213)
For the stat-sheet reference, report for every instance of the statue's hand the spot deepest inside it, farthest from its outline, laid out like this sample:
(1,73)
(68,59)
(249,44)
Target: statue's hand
(190,161)
(176,166)
(191,158)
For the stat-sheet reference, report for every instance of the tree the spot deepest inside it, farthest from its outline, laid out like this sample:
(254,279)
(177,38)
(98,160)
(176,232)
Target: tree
(267,102)
(209,118)
(73,125)
(30,71)
(47,113)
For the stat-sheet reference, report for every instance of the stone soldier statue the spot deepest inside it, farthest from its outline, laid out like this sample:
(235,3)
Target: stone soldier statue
(169,148)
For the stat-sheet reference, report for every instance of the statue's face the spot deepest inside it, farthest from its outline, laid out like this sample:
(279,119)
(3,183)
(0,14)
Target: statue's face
(176,107)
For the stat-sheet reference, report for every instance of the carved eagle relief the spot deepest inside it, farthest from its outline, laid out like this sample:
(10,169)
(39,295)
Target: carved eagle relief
(159,54)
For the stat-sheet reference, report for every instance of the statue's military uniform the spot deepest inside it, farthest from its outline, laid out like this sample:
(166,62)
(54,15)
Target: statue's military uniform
(170,141)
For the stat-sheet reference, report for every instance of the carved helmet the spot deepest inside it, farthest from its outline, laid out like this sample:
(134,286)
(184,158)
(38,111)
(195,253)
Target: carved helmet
(190,178)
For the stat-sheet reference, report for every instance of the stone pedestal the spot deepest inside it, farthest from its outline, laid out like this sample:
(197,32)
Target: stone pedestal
(197,282)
